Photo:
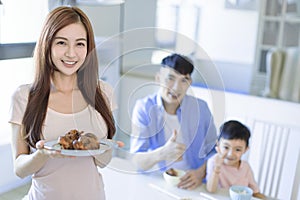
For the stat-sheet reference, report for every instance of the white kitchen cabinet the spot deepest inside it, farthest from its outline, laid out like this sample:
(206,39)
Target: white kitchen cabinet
(279,28)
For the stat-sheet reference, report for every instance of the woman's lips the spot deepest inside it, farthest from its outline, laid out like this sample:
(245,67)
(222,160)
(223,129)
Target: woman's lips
(69,63)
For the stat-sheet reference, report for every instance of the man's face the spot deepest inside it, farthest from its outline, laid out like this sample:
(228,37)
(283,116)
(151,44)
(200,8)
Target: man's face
(173,85)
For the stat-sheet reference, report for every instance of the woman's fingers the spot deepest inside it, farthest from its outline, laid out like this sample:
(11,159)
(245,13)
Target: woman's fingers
(40,144)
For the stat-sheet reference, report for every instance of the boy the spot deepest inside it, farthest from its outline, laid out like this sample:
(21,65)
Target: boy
(226,167)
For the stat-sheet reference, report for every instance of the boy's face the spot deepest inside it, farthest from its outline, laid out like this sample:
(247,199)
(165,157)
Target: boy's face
(233,150)
(173,85)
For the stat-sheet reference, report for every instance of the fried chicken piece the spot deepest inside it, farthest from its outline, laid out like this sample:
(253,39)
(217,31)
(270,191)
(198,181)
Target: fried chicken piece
(87,141)
(66,141)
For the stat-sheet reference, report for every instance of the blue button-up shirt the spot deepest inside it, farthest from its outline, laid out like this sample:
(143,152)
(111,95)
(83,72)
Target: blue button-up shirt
(197,127)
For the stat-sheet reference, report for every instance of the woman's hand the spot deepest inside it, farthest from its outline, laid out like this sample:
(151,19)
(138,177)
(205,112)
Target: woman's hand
(192,178)
(51,153)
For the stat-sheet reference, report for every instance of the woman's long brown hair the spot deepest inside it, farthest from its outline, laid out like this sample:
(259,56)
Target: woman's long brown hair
(87,79)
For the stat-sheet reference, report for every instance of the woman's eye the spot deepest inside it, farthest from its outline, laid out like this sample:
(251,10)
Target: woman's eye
(81,44)
(60,43)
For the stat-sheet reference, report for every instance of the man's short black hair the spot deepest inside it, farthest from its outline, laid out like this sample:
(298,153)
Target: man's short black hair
(234,130)
(180,63)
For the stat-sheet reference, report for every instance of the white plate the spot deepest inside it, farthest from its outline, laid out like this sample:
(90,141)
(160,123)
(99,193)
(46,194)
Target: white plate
(54,146)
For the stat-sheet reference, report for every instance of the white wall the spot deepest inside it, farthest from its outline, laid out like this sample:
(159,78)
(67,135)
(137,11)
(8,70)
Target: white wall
(228,35)
(19,71)
(8,179)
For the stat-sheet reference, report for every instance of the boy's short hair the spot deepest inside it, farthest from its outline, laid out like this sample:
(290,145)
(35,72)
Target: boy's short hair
(180,63)
(232,130)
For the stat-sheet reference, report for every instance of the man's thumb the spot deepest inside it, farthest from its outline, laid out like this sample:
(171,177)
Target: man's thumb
(174,136)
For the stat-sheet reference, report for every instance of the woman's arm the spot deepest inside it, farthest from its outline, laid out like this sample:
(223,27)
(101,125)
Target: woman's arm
(24,163)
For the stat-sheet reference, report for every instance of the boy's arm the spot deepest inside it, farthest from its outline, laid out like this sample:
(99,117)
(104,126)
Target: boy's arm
(213,180)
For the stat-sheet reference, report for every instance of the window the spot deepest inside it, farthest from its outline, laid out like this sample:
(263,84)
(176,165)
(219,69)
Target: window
(208,30)
(227,35)
(21,21)
(175,17)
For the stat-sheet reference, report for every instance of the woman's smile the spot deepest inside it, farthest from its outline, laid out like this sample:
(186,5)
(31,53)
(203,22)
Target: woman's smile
(69,64)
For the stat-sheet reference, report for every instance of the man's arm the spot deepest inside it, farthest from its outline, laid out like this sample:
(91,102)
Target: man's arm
(171,151)
(193,178)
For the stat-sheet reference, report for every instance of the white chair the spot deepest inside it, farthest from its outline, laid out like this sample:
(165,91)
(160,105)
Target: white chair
(274,157)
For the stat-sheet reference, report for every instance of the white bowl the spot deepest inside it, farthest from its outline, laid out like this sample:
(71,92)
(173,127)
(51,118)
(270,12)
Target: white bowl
(173,180)
(238,192)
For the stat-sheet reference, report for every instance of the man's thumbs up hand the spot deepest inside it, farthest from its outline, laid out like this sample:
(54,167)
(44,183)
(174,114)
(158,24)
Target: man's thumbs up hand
(173,151)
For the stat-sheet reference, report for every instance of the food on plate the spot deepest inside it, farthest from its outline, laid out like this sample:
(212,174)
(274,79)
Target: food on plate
(66,141)
(172,172)
(78,140)
(87,141)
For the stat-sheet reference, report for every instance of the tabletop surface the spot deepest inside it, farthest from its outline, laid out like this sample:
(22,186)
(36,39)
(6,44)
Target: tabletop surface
(123,182)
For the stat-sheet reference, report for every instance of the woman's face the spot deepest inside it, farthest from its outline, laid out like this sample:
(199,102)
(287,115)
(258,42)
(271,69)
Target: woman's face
(69,48)
(233,151)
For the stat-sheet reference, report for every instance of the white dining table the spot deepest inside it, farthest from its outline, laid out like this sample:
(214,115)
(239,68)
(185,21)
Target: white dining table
(123,182)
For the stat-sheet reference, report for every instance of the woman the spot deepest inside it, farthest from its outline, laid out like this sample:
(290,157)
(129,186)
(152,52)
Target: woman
(66,94)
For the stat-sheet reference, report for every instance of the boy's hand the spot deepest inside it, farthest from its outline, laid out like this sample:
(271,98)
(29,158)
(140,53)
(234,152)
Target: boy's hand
(219,159)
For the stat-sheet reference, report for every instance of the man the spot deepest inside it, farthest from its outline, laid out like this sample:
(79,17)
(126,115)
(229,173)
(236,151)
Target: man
(173,129)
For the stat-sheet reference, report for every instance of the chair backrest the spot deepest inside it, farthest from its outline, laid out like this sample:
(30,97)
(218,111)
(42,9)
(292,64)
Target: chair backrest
(273,157)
